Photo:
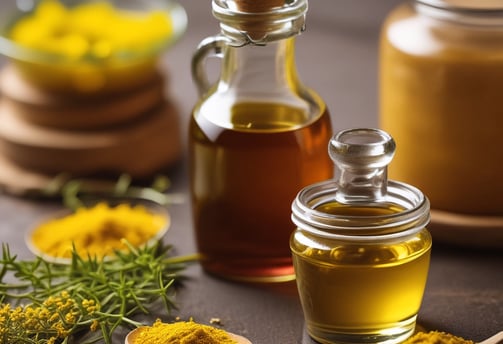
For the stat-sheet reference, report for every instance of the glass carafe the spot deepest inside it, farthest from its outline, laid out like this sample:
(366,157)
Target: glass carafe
(257,135)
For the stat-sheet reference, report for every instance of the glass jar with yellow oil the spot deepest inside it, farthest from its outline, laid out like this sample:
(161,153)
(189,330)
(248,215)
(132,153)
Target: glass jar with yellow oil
(441,75)
(257,136)
(361,249)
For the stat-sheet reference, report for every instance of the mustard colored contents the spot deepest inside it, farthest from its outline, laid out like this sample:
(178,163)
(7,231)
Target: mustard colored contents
(98,231)
(183,332)
(95,30)
(440,98)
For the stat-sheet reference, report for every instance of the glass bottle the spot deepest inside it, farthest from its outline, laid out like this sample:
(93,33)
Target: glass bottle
(256,137)
(361,249)
(441,76)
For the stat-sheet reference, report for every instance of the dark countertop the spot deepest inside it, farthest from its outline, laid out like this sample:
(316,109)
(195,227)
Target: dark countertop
(337,56)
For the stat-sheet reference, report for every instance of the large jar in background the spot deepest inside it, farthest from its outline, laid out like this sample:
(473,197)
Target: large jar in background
(257,136)
(441,82)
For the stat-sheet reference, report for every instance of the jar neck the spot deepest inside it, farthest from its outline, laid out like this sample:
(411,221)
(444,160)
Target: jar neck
(362,157)
(260,28)
(480,13)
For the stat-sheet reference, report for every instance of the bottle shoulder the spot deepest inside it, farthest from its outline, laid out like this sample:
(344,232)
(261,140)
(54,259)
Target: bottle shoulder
(264,112)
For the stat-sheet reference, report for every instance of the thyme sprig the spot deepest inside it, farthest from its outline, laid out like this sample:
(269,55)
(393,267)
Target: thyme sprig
(49,302)
(74,191)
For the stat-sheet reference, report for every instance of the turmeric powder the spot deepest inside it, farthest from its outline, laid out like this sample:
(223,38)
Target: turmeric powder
(436,337)
(98,231)
(182,332)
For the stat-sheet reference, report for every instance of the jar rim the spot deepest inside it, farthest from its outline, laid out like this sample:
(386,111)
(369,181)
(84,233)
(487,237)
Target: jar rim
(479,16)
(413,218)
(478,6)
(476,14)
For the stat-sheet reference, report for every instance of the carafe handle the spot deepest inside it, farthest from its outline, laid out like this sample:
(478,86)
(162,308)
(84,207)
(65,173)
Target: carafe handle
(213,46)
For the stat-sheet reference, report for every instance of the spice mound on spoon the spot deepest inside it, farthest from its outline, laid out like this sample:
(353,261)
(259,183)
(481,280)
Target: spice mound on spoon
(437,337)
(188,331)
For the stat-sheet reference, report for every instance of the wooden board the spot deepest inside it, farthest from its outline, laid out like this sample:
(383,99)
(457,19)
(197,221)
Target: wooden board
(31,155)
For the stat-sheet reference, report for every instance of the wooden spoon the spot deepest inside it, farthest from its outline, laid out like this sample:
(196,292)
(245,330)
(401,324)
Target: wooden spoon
(497,338)
(243,340)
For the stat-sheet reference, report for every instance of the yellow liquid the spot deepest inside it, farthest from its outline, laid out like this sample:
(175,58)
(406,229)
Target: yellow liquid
(244,179)
(352,292)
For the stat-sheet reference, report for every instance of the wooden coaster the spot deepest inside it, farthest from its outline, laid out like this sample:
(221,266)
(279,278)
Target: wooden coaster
(139,148)
(59,111)
(466,230)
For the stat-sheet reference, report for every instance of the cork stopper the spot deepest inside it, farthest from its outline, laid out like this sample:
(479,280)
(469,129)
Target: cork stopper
(258,6)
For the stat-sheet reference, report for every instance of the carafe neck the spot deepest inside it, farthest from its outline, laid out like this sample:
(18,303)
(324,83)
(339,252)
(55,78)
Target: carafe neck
(269,69)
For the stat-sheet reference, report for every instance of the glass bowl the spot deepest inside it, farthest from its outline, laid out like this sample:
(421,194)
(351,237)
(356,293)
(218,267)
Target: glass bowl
(109,218)
(118,44)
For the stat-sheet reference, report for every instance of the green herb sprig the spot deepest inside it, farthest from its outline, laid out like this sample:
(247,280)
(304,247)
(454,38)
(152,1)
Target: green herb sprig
(74,191)
(50,303)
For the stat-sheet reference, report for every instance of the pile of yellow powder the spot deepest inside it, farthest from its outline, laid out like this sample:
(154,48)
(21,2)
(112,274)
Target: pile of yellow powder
(436,337)
(98,231)
(182,332)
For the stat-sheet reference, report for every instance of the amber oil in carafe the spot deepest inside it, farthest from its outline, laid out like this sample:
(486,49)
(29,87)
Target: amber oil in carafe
(256,138)
(242,207)
(361,250)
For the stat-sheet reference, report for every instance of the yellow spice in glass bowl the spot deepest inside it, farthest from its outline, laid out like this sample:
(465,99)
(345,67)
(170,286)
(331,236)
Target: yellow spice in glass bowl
(98,231)
(89,46)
